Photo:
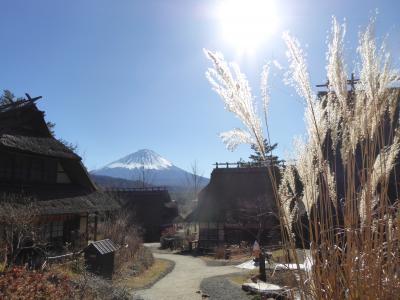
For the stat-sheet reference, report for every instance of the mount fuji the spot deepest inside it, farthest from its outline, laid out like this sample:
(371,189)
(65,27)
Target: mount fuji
(149,167)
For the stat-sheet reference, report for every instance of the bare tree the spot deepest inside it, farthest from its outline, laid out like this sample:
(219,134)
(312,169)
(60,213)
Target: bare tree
(18,223)
(261,215)
(194,179)
(120,228)
(144,175)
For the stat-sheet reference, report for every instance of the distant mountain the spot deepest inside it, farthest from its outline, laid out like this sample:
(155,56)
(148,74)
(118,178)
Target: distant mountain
(149,167)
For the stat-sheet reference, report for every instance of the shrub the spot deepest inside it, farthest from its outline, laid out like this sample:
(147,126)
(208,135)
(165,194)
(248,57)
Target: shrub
(219,252)
(143,260)
(122,232)
(18,218)
(19,283)
(89,286)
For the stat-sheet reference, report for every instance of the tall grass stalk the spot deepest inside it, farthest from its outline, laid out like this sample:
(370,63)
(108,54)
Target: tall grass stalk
(344,178)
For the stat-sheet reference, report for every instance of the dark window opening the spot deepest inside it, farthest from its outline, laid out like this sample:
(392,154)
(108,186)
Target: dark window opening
(53,231)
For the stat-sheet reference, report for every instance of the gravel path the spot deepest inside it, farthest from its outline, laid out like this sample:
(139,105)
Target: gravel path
(184,280)
(221,288)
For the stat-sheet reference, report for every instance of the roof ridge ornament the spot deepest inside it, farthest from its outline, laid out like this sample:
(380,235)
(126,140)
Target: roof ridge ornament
(352,82)
(34,99)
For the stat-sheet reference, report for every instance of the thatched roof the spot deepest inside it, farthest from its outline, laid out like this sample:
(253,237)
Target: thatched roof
(178,219)
(23,118)
(67,201)
(23,129)
(93,202)
(129,196)
(236,194)
(14,105)
(147,201)
(192,216)
(37,145)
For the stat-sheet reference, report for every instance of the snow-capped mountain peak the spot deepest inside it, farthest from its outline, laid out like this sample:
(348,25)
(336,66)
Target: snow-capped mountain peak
(144,158)
(147,166)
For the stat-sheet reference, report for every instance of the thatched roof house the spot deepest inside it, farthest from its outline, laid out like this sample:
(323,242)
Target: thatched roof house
(37,167)
(238,204)
(151,208)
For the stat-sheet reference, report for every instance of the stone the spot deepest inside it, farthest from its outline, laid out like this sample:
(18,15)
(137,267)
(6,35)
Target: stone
(267,289)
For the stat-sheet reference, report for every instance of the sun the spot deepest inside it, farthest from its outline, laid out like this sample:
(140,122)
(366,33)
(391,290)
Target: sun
(246,24)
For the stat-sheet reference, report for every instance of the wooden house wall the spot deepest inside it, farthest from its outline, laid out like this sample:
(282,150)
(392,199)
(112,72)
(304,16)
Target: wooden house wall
(216,234)
(83,229)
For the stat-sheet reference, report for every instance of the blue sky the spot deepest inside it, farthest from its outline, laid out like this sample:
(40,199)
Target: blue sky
(118,76)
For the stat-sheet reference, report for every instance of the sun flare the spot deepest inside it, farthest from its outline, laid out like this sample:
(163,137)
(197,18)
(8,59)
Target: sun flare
(246,24)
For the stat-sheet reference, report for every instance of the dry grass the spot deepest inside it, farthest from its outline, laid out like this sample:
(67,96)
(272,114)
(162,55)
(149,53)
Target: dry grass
(2,267)
(88,286)
(159,269)
(72,269)
(344,178)
(347,169)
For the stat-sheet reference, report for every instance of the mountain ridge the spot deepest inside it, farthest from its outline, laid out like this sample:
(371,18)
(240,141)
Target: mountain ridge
(150,168)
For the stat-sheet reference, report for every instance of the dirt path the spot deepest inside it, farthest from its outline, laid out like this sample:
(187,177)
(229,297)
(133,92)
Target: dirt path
(184,280)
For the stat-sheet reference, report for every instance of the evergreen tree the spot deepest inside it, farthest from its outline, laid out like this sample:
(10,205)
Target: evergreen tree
(7,97)
(51,127)
(257,157)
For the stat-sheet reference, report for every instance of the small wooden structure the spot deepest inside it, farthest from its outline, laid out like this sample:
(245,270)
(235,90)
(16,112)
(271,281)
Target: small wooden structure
(100,256)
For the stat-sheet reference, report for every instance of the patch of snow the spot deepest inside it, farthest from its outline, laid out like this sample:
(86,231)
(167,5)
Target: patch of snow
(251,265)
(302,267)
(263,288)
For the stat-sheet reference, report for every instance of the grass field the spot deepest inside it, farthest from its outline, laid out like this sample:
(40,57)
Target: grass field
(160,268)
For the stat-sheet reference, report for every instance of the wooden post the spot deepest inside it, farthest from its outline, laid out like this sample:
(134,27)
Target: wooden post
(95,227)
(263,275)
(208,234)
(87,229)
